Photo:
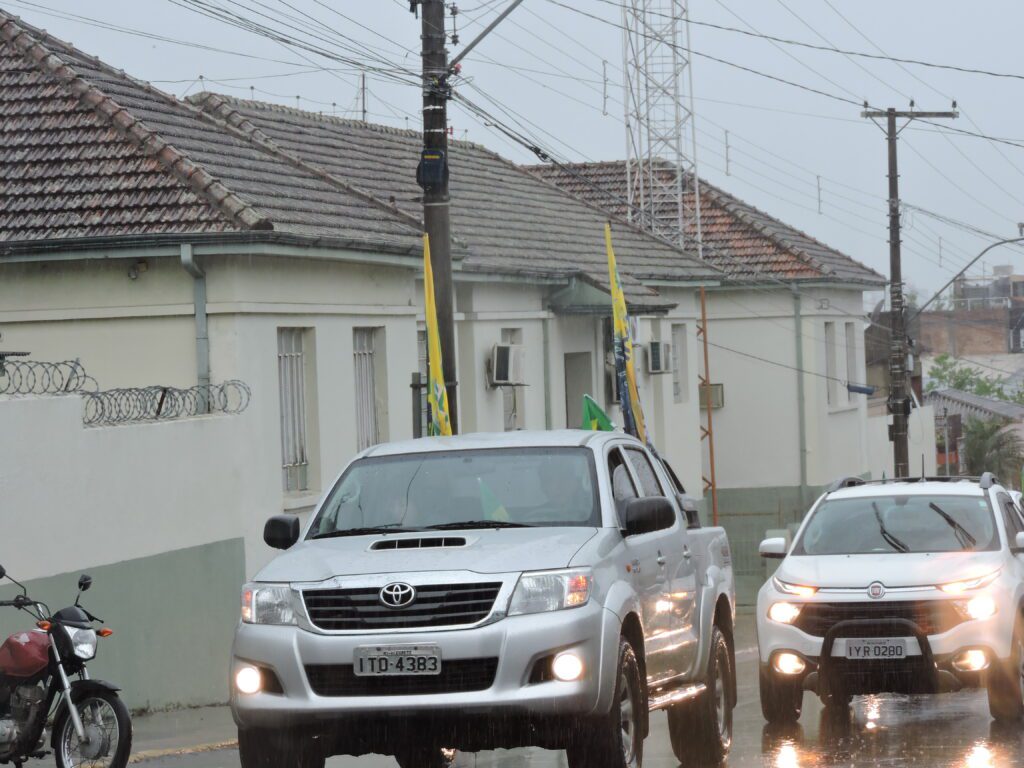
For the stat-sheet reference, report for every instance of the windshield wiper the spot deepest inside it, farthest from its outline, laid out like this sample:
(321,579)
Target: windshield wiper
(891,540)
(396,528)
(477,524)
(962,534)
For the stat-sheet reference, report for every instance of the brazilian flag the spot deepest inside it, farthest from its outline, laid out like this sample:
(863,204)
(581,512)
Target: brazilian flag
(594,417)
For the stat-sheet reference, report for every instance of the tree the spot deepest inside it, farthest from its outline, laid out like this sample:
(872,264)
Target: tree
(949,373)
(992,446)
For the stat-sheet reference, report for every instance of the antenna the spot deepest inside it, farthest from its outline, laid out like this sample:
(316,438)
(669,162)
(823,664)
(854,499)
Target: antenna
(661,146)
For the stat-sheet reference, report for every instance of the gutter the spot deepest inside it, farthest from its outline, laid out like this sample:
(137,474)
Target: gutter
(801,404)
(202,327)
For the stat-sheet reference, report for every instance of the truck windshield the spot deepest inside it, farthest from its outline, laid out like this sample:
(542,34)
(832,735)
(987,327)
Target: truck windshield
(485,488)
(899,524)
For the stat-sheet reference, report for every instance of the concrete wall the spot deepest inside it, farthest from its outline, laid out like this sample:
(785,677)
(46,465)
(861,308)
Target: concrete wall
(156,513)
(921,440)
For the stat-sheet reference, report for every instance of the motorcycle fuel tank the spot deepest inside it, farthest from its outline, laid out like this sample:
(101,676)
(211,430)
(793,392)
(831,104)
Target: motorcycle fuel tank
(24,654)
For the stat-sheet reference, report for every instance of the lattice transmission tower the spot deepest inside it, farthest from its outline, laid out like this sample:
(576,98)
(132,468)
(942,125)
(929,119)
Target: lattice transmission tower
(661,151)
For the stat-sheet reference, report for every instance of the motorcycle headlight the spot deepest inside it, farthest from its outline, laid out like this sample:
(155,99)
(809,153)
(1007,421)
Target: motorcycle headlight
(267,605)
(551,591)
(83,642)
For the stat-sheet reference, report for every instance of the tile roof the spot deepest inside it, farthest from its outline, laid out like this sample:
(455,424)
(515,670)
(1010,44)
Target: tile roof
(987,405)
(87,151)
(740,239)
(510,221)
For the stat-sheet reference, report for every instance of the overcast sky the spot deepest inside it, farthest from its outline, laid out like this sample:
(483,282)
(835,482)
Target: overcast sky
(545,68)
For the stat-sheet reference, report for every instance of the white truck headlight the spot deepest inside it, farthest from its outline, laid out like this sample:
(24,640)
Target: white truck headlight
(83,642)
(262,604)
(544,591)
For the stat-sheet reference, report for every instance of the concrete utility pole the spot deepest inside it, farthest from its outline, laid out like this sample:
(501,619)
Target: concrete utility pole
(433,178)
(899,384)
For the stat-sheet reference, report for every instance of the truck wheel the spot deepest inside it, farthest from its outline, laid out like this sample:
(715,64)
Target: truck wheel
(424,757)
(701,730)
(781,699)
(278,748)
(1006,681)
(615,740)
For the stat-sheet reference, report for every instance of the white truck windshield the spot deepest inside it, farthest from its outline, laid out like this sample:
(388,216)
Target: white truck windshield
(894,524)
(482,488)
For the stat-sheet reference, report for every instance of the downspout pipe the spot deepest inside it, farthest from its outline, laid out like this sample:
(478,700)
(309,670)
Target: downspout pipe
(801,401)
(202,327)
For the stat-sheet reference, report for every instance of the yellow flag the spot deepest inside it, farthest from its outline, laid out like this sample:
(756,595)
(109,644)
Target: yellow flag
(437,393)
(625,370)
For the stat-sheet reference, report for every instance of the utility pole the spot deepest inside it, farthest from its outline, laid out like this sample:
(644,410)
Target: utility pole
(899,383)
(363,93)
(432,174)
(433,178)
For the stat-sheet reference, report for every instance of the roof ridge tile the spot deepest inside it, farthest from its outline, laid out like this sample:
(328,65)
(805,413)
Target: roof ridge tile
(204,184)
(218,107)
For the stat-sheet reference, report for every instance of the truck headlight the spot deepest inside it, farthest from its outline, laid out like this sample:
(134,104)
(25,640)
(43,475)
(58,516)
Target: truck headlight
(551,591)
(978,608)
(263,604)
(83,642)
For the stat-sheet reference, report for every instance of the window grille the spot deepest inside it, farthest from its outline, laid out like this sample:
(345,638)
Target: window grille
(291,374)
(367,416)
(830,364)
(680,383)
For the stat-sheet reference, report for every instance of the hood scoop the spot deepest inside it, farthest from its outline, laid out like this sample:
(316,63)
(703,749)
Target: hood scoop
(433,542)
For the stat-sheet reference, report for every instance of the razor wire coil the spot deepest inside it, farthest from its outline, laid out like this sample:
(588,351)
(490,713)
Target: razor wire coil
(121,406)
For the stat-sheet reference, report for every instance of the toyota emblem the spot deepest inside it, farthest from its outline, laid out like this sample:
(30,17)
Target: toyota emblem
(876,591)
(397,595)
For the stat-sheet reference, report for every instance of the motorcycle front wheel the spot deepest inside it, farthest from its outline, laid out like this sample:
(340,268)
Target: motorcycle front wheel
(108,733)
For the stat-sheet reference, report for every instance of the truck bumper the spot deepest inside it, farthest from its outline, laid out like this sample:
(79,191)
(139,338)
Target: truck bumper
(518,649)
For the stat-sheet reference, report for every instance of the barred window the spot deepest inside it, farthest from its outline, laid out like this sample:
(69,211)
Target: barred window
(291,374)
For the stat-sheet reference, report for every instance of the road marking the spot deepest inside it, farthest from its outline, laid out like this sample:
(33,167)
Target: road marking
(157,754)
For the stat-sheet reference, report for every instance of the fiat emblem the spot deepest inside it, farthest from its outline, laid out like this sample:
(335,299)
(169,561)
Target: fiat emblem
(876,591)
(397,595)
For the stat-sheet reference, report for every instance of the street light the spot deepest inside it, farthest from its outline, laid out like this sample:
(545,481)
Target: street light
(969,264)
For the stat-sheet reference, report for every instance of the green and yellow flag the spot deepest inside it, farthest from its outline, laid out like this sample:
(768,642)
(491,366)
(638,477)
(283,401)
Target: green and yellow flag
(437,394)
(625,370)
(594,417)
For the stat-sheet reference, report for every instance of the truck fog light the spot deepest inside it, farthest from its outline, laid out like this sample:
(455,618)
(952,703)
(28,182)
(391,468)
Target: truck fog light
(784,613)
(981,607)
(567,667)
(973,660)
(248,680)
(789,664)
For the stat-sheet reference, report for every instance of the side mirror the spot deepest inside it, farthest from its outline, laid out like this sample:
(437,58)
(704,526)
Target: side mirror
(84,582)
(773,549)
(3,571)
(654,513)
(1018,547)
(281,531)
(690,511)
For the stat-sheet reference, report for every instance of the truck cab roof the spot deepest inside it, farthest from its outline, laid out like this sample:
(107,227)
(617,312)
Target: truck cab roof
(563,438)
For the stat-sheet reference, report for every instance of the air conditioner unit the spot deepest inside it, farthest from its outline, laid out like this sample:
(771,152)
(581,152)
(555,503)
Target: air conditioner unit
(507,365)
(659,357)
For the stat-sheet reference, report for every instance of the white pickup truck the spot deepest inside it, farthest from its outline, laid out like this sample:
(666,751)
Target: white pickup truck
(484,591)
(909,586)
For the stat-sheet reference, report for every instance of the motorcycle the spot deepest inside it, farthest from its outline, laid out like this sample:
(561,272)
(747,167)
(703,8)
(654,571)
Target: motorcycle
(43,679)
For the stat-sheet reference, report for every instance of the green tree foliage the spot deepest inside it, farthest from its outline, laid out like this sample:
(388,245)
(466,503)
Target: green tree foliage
(949,373)
(990,447)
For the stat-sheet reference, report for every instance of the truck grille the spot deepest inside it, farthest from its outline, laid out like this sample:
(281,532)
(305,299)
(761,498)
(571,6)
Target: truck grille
(439,605)
(932,616)
(456,677)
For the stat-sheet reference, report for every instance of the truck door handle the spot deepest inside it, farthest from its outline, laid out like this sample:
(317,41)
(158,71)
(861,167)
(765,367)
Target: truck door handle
(686,553)
(661,559)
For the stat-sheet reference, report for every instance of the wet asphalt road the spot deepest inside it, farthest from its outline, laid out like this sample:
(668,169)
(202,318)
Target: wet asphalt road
(948,730)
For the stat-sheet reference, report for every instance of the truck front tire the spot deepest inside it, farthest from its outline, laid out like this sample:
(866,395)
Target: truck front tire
(782,699)
(278,748)
(701,730)
(615,740)
(1006,681)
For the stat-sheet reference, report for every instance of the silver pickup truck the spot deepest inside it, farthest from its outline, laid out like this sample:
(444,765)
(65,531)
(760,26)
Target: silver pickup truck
(542,589)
